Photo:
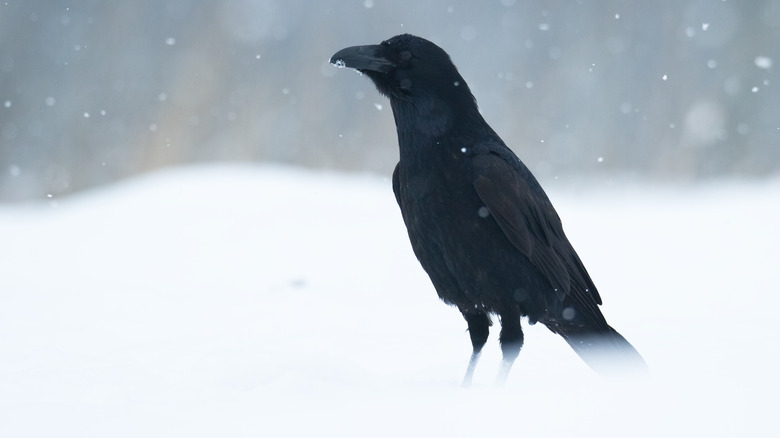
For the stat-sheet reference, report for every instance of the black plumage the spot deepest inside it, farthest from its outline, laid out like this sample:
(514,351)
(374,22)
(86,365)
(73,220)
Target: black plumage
(480,224)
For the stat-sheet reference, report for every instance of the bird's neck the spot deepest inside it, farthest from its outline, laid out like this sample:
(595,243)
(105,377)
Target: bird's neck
(426,126)
(428,119)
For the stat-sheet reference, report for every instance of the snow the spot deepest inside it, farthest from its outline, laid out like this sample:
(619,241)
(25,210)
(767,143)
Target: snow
(263,301)
(764,62)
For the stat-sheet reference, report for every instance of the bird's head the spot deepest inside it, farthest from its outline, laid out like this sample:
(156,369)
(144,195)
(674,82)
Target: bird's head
(408,68)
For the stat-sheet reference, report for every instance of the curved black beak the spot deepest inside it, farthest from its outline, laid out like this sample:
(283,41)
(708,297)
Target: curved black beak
(365,58)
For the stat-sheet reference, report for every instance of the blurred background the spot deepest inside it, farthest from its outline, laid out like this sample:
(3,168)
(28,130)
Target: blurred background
(92,92)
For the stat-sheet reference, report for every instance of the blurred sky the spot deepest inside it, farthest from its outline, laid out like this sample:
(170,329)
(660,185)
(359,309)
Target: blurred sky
(92,91)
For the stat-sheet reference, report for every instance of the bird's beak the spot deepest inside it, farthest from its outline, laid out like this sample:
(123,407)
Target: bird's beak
(362,58)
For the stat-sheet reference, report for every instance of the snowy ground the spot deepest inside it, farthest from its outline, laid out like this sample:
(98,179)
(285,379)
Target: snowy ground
(259,301)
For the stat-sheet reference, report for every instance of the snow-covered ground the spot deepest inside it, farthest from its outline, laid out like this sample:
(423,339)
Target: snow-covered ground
(241,301)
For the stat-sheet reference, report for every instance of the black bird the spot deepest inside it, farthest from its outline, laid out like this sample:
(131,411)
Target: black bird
(479,222)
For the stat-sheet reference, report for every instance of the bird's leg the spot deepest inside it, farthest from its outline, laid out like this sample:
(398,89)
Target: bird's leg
(511,342)
(479,328)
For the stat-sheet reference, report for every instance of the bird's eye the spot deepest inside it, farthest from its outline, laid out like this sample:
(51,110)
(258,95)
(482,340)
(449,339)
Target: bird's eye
(405,55)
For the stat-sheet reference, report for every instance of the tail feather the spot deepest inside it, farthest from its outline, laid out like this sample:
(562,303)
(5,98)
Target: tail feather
(605,350)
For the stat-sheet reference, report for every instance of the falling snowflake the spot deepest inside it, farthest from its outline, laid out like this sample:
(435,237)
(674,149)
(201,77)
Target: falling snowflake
(764,62)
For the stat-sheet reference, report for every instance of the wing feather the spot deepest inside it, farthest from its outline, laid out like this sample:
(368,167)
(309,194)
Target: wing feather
(525,215)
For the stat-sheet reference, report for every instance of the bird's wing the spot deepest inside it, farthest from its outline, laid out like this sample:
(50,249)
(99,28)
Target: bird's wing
(524,213)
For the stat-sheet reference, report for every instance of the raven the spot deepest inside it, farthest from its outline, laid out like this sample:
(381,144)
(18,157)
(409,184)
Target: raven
(479,223)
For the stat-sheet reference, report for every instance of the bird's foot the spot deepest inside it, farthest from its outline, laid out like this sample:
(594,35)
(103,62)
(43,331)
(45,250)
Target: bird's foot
(470,370)
(503,373)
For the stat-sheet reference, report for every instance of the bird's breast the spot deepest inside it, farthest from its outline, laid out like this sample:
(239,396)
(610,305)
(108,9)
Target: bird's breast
(441,209)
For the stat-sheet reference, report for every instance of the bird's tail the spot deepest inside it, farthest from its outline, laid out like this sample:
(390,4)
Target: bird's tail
(605,350)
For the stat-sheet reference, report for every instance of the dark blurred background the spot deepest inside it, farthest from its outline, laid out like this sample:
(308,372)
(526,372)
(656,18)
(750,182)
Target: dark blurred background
(94,91)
